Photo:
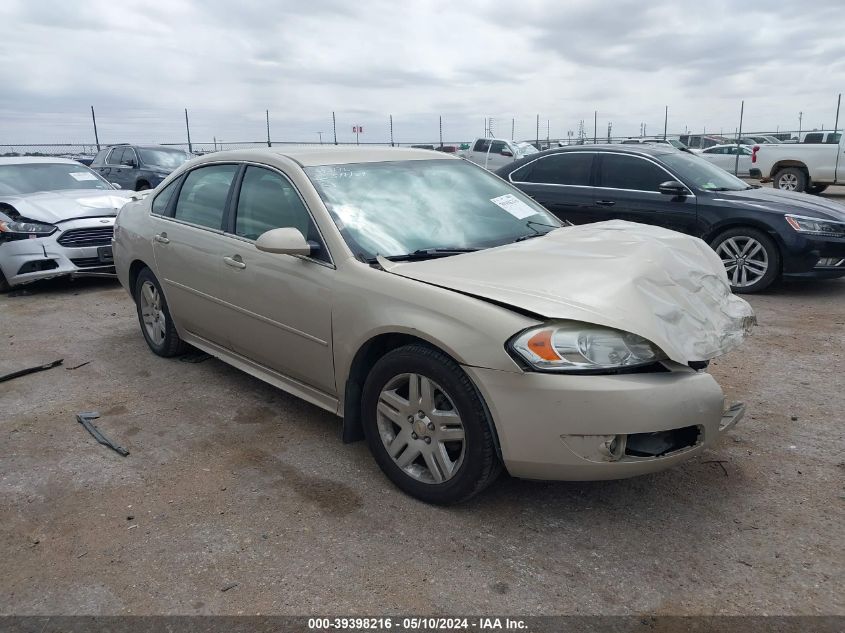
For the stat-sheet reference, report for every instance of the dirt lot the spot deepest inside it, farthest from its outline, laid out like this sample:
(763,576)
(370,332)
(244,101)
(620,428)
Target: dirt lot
(231,481)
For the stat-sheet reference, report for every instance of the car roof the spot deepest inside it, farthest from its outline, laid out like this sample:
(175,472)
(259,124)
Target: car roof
(22,160)
(625,148)
(332,155)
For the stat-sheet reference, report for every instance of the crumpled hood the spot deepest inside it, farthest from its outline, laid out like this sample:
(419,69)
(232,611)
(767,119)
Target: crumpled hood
(56,206)
(778,201)
(665,286)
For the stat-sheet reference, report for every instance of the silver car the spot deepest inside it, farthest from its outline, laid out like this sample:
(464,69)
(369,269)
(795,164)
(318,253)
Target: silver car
(445,316)
(56,218)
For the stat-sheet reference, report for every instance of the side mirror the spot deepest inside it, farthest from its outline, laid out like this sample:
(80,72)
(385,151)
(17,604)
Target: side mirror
(507,152)
(285,241)
(116,185)
(673,188)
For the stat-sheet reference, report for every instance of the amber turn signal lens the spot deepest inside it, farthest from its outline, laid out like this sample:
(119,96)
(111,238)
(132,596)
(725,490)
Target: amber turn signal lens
(541,344)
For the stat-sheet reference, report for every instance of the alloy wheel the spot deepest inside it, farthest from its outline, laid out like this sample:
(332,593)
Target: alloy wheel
(421,428)
(745,259)
(155,321)
(788,182)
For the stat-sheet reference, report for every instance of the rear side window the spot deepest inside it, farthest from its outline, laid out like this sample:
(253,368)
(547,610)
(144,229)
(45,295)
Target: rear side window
(116,156)
(630,172)
(833,138)
(497,147)
(481,145)
(814,138)
(202,199)
(162,199)
(572,168)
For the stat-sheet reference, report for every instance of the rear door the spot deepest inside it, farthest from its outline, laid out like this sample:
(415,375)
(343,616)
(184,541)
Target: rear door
(562,183)
(628,189)
(189,247)
(280,306)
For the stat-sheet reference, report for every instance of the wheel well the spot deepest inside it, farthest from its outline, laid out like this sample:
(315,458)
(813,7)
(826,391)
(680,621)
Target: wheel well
(134,270)
(142,181)
(783,164)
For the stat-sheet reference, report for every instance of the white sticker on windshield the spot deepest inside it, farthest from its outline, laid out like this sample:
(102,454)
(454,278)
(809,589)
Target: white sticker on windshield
(82,175)
(513,205)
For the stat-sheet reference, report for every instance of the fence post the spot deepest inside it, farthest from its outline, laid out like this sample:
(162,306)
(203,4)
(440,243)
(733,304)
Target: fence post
(738,137)
(391,131)
(665,122)
(512,128)
(595,127)
(188,129)
(267,114)
(440,118)
(97,138)
(836,124)
(334,128)
(538,131)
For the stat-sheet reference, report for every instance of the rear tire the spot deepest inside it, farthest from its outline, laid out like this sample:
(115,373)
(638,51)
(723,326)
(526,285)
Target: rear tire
(4,285)
(427,426)
(751,258)
(154,317)
(791,179)
(816,189)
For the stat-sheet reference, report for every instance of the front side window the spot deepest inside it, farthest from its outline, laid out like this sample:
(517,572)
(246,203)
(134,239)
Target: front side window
(397,208)
(630,172)
(269,201)
(202,199)
(571,168)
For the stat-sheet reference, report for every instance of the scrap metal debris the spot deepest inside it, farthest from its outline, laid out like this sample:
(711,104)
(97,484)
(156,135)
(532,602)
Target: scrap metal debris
(85,419)
(31,370)
(87,362)
(231,585)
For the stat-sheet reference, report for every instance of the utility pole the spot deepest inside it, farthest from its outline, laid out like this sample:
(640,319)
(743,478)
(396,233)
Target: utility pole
(738,136)
(665,122)
(334,128)
(595,127)
(97,137)
(267,115)
(391,130)
(188,129)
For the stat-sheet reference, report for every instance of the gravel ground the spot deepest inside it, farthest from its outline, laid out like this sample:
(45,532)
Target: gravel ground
(237,498)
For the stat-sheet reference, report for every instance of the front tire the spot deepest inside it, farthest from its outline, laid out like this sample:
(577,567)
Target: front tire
(154,317)
(427,426)
(4,284)
(791,179)
(751,258)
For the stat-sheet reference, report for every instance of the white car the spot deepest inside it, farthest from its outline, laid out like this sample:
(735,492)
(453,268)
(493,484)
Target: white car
(56,218)
(492,153)
(725,157)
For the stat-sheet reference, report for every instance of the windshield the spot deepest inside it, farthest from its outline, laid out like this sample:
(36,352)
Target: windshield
(697,172)
(526,149)
(397,208)
(166,158)
(34,177)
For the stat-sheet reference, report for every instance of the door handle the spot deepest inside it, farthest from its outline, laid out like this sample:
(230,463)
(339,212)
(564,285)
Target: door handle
(235,261)
(161,238)
(605,203)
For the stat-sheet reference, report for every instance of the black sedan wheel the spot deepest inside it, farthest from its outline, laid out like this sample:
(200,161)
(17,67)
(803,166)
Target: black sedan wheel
(751,258)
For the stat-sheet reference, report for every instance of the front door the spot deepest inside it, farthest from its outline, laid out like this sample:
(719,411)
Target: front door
(279,305)
(628,188)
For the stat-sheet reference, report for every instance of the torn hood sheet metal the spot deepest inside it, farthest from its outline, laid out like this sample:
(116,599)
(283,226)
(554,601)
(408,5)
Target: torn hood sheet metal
(665,286)
(58,206)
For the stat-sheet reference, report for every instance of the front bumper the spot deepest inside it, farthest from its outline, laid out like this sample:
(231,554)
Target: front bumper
(593,427)
(26,260)
(813,256)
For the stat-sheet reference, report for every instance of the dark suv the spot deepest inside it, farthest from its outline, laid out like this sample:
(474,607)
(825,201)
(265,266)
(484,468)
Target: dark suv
(759,234)
(138,167)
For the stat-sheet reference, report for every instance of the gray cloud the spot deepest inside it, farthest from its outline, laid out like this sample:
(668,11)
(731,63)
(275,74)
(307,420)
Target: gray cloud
(140,63)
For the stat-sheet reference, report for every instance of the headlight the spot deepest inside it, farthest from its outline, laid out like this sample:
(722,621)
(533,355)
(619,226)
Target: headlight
(26,228)
(816,226)
(574,347)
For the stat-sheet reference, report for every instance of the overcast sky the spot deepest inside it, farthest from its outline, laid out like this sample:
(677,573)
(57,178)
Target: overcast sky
(139,63)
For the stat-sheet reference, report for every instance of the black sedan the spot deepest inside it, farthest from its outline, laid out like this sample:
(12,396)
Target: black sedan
(760,234)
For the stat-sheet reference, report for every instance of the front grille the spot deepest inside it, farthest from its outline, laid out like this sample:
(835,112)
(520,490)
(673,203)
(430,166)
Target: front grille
(94,236)
(89,262)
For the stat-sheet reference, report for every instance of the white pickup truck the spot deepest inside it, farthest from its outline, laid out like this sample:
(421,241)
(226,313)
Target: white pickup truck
(806,167)
(492,153)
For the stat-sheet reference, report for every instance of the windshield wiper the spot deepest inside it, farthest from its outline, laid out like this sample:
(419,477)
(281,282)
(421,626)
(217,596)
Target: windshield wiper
(428,253)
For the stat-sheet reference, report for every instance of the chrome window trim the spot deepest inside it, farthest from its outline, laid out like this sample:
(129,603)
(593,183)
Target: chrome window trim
(653,162)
